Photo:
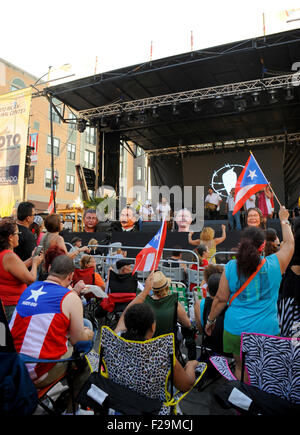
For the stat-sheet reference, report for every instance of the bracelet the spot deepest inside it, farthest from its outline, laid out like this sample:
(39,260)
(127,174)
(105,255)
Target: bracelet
(211,322)
(285,222)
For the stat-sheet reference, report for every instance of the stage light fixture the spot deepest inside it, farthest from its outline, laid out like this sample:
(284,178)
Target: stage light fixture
(273,98)
(142,117)
(197,107)
(219,102)
(256,99)
(289,94)
(81,125)
(154,112)
(240,103)
(104,122)
(175,110)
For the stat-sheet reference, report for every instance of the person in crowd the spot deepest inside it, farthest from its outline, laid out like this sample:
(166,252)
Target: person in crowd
(272,242)
(207,272)
(254,218)
(207,237)
(183,219)
(147,212)
(202,254)
(289,292)
(90,220)
(52,325)
(234,219)
(253,310)
(37,228)
(250,203)
(138,323)
(127,221)
(115,253)
(163,210)
(78,249)
(265,202)
(27,241)
(52,237)
(14,273)
(92,246)
(176,258)
(94,278)
(212,203)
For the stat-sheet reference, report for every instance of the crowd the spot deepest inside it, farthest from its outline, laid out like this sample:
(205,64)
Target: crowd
(44,291)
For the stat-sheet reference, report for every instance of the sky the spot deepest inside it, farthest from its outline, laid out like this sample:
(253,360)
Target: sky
(118,33)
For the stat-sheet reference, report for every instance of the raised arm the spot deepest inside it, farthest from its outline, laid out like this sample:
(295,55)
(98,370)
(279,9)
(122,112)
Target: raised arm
(221,239)
(195,242)
(286,250)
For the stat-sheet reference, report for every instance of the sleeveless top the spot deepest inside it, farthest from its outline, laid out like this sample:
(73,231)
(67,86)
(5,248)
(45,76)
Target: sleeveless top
(38,325)
(11,287)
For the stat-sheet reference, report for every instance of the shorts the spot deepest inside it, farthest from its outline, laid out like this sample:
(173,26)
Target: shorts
(231,343)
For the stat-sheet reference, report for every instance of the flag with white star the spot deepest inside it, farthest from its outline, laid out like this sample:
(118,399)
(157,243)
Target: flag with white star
(251,180)
(149,257)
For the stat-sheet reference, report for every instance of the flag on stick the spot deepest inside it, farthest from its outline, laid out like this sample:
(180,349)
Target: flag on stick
(51,203)
(250,181)
(149,257)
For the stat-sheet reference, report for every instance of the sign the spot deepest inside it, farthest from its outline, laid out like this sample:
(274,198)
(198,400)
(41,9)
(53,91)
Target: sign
(33,143)
(14,117)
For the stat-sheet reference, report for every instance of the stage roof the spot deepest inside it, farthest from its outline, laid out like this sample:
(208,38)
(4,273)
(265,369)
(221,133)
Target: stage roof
(242,61)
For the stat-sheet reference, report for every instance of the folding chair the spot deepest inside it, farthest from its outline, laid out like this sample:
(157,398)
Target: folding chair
(143,367)
(80,349)
(175,273)
(273,367)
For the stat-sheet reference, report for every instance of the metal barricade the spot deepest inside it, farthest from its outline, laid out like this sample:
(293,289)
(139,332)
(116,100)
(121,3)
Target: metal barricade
(231,253)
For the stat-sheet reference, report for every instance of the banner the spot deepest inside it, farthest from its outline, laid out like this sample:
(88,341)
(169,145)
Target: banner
(14,118)
(33,143)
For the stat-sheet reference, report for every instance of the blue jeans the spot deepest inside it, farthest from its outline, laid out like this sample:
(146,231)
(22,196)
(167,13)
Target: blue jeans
(234,218)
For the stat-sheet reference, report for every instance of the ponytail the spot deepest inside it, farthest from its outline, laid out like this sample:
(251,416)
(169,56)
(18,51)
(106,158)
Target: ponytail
(248,256)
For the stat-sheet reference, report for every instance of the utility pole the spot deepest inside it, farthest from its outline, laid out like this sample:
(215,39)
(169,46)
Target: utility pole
(52,155)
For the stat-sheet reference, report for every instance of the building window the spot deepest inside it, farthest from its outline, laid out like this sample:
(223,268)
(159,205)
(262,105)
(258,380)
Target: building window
(89,159)
(17,84)
(48,179)
(58,107)
(56,143)
(139,173)
(71,151)
(90,135)
(70,184)
(36,125)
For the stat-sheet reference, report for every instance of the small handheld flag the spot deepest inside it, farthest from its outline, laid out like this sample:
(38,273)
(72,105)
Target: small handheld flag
(148,258)
(250,181)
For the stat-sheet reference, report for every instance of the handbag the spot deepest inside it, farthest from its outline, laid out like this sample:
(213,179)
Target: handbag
(239,291)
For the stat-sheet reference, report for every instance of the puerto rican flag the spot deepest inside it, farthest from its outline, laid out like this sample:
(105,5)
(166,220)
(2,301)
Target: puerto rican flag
(250,181)
(149,257)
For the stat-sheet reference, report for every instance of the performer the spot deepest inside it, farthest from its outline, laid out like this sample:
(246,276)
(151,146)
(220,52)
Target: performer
(266,202)
(212,203)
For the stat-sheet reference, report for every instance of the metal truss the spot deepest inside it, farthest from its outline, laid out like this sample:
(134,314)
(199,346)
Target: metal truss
(241,88)
(226,145)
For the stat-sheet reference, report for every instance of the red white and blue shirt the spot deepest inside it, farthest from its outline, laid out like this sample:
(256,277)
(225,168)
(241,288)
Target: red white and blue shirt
(38,325)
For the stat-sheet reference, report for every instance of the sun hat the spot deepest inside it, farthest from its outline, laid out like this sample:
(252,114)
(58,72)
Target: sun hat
(160,281)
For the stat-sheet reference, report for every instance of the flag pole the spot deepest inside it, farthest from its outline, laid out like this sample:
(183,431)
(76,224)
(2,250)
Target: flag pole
(275,196)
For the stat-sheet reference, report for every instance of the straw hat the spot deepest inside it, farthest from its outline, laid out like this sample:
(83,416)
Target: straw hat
(160,281)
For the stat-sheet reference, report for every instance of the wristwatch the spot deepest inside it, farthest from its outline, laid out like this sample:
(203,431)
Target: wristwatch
(211,322)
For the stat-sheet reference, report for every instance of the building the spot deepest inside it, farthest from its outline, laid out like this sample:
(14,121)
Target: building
(70,146)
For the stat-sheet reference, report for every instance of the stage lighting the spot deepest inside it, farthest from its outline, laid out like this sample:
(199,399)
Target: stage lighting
(256,99)
(175,111)
(273,98)
(197,107)
(154,112)
(219,102)
(289,94)
(81,125)
(104,122)
(240,103)
(142,117)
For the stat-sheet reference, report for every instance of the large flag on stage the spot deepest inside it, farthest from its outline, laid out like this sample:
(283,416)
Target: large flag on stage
(250,181)
(150,255)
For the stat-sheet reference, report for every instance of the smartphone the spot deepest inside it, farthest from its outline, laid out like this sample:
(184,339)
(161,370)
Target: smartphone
(38,251)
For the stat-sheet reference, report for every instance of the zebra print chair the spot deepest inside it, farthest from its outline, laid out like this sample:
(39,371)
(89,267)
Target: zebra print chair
(272,364)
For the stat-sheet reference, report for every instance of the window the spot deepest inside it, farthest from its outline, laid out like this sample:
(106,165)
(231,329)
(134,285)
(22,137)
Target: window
(89,159)
(90,135)
(36,125)
(71,151)
(56,143)
(70,184)
(48,179)
(58,107)
(139,173)
(17,84)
